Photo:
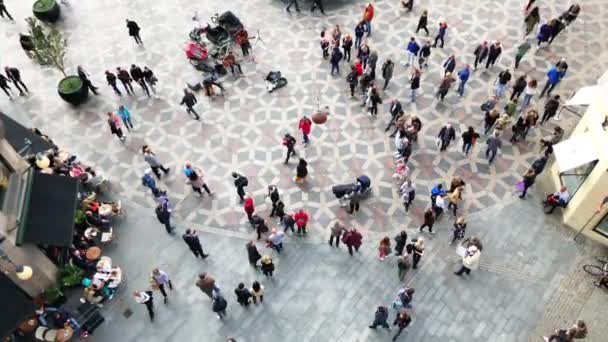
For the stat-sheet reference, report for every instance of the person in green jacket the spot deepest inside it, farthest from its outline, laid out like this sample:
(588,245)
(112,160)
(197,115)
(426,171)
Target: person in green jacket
(531,20)
(511,107)
(522,49)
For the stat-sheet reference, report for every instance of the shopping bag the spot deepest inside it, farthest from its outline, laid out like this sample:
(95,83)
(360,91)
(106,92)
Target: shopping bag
(519,186)
(461,250)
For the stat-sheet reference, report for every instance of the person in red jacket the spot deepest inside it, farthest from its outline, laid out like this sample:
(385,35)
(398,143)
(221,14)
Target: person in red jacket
(305,125)
(249,207)
(359,67)
(301,218)
(368,15)
(352,239)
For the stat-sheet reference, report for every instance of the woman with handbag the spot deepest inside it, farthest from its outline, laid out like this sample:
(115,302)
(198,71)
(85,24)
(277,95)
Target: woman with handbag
(459,229)
(527,180)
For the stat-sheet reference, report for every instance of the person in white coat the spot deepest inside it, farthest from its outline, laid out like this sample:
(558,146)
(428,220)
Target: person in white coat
(470,261)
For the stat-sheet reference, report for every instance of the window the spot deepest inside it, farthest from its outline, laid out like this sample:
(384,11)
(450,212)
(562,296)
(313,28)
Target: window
(573,179)
(602,226)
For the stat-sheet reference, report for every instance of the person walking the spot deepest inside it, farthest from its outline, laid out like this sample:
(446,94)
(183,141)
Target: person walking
(267,266)
(387,72)
(352,239)
(291,3)
(354,202)
(529,92)
(439,206)
(195,177)
(519,87)
(206,283)
(145,298)
(460,226)
(449,65)
(5,87)
(408,193)
(148,180)
(414,84)
(111,79)
(317,4)
(257,290)
(545,32)
(249,208)
(571,14)
(150,78)
(305,125)
(402,321)
(428,221)
(463,76)
(553,78)
(134,30)
(551,107)
(138,76)
(531,20)
(301,218)
(359,32)
(557,27)
(527,180)
(446,135)
(4,11)
(194,243)
(470,261)
(125,116)
(518,129)
(301,171)
(490,119)
(253,255)
(273,194)
(276,239)
(14,75)
(219,305)
(468,139)
(522,49)
(336,230)
(481,52)
(125,79)
(163,214)
(423,22)
(334,60)
(384,248)
(152,160)
(84,77)
(380,318)
(114,123)
(443,26)
(368,15)
(240,182)
(503,79)
(445,86)
(373,100)
(539,165)
(400,242)
(424,54)
(454,199)
(347,44)
(530,120)
(243,295)
(190,101)
(417,251)
(511,108)
(411,50)
(289,142)
(493,145)
(493,54)
(161,280)
(396,111)
(353,80)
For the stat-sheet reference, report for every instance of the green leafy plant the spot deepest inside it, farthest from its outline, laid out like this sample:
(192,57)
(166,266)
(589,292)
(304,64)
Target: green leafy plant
(79,216)
(43,5)
(70,275)
(50,46)
(52,295)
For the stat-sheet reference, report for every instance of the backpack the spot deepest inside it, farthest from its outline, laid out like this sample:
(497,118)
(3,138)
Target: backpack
(487,106)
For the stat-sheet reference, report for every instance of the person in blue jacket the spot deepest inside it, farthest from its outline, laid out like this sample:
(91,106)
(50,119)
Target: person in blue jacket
(553,78)
(359,31)
(124,114)
(148,181)
(412,51)
(463,76)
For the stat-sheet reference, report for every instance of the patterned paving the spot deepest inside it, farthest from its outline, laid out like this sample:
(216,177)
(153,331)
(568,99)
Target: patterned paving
(241,131)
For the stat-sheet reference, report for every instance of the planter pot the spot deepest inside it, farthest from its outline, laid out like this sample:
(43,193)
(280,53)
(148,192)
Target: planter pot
(72,90)
(46,10)
(320,117)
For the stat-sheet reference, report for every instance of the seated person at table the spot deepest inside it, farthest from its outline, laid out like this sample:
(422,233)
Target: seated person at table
(114,281)
(79,259)
(558,199)
(93,219)
(93,292)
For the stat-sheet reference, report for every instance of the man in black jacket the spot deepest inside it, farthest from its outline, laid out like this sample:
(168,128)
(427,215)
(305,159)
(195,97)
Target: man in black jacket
(111,78)
(446,135)
(138,75)
(164,216)
(14,75)
(4,85)
(3,11)
(551,108)
(289,142)
(134,31)
(240,182)
(191,239)
(495,51)
(125,78)
(380,318)
(190,100)
(353,80)
(396,111)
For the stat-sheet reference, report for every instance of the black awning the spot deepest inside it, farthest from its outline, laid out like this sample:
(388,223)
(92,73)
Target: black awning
(17,306)
(50,205)
(17,136)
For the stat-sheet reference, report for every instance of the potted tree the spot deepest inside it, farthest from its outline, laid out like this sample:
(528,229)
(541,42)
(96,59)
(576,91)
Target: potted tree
(46,10)
(50,49)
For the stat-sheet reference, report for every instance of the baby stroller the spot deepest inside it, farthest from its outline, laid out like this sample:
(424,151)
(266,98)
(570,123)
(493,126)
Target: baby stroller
(198,56)
(344,191)
(274,81)
(229,22)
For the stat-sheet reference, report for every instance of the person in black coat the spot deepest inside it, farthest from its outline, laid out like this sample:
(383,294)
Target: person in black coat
(243,296)
(539,165)
(380,318)
(402,320)
(164,216)
(219,305)
(449,65)
(240,182)
(84,77)
(193,242)
(481,52)
(5,87)
(125,79)
(446,135)
(273,193)
(353,80)
(3,11)
(134,31)
(518,87)
(494,53)
(551,108)
(290,143)
(400,241)
(301,170)
(336,57)
(422,22)
(190,100)
(252,253)
(111,78)
(14,75)
(396,111)
(468,139)
(138,75)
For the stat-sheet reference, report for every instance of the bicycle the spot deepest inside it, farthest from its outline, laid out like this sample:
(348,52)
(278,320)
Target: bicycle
(595,270)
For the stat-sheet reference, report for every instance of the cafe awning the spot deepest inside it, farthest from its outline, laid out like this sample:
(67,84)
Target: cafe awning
(19,136)
(50,206)
(574,152)
(17,306)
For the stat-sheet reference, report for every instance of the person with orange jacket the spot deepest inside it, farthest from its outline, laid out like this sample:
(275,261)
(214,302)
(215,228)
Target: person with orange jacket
(368,15)
(305,125)
(301,218)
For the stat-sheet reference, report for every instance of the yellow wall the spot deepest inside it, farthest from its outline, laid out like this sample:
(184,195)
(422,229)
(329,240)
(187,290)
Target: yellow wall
(583,205)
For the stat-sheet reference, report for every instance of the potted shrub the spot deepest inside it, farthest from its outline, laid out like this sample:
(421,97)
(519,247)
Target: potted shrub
(49,49)
(70,275)
(46,10)
(53,296)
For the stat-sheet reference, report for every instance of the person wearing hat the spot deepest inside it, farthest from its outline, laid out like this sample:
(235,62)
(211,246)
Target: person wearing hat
(470,260)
